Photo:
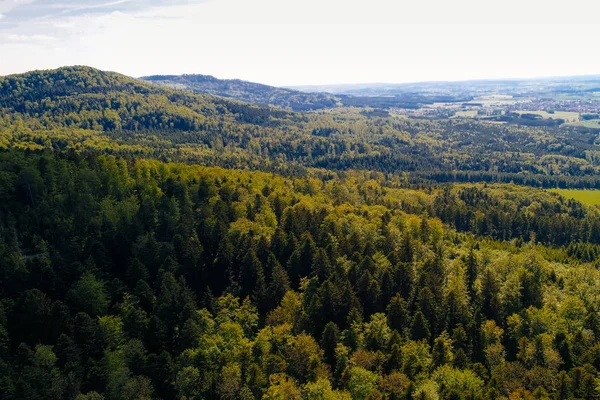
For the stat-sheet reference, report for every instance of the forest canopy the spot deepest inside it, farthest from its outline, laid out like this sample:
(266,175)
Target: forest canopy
(160,244)
(90,110)
(140,279)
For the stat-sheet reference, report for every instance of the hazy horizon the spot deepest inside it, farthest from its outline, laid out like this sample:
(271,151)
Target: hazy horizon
(335,84)
(301,43)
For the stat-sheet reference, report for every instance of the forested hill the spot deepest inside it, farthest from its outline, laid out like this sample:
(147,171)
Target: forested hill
(247,91)
(88,98)
(85,109)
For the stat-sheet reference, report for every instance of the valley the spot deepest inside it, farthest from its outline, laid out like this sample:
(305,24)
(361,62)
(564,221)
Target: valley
(184,237)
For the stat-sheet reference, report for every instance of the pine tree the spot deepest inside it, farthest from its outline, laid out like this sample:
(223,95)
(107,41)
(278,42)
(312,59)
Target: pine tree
(442,352)
(300,263)
(419,329)
(564,350)
(397,313)
(406,251)
(249,272)
(404,279)
(260,294)
(563,391)
(204,190)
(136,271)
(386,283)
(455,310)
(490,301)
(426,305)
(279,284)
(591,322)
(321,267)
(471,272)
(279,245)
(329,342)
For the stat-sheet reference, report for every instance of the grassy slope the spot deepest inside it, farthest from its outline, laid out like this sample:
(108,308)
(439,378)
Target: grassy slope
(584,196)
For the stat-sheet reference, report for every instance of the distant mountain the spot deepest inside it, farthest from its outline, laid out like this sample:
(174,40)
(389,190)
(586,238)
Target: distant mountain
(297,100)
(247,91)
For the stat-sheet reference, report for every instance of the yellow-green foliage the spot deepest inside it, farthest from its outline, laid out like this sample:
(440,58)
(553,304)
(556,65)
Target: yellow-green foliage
(584,196)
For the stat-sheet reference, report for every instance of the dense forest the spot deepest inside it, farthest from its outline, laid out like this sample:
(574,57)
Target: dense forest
(247,91)
(135,279)
(159,244)
(86,109)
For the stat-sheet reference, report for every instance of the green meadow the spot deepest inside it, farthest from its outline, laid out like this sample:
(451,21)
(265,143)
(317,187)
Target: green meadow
(584,196)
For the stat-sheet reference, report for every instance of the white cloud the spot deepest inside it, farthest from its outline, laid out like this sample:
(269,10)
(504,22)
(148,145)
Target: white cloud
(79,6)
(316,41)
(382,12)
(13,38)
(9,5)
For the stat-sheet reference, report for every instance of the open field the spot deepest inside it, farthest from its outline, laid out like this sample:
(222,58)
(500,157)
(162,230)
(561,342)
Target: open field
(592,123)
(584,196)
(566,115)
(466,114)
(495,100)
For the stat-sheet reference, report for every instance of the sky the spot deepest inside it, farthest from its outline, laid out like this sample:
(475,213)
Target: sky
(303,42)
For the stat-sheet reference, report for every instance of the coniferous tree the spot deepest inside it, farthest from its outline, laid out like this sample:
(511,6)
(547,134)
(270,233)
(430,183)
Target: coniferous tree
(329,342)
(279,284)
(490,301)
(426,305)
(321,267)
(397,313)
(260,294)
(471,271)
(249,271)
(419,329)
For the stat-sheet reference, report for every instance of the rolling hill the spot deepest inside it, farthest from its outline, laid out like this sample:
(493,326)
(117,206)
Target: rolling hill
(88,98)
(247,91)
(90,110)
(297,100)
